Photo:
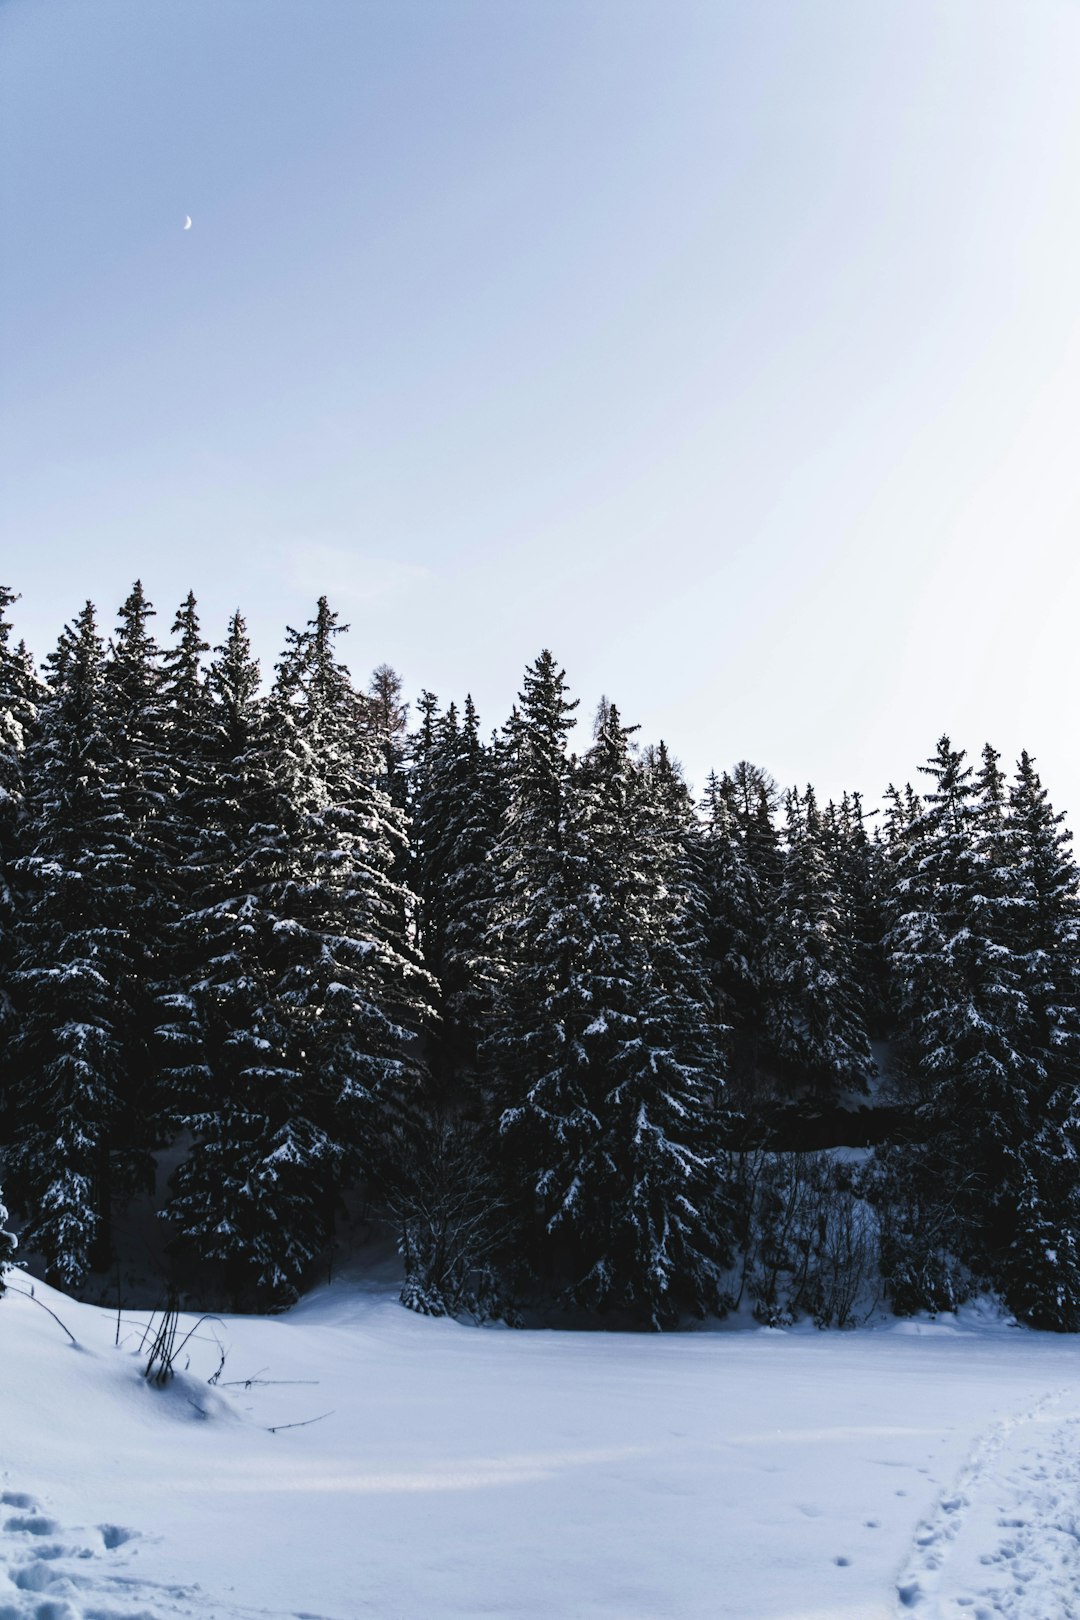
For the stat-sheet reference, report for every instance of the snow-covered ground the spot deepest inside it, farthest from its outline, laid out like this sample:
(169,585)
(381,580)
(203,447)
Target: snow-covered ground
(927,1469)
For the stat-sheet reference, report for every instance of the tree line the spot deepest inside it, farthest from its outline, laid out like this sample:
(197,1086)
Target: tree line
(571,1031)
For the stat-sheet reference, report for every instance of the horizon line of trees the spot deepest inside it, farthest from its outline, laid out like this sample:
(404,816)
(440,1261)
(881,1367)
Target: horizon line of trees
(541,1006)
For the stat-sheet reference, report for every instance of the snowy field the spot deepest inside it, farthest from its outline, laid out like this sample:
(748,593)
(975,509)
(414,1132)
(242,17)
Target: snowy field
(922,1468)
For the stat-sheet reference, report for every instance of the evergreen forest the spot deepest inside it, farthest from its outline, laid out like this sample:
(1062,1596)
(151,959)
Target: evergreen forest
(582,1042)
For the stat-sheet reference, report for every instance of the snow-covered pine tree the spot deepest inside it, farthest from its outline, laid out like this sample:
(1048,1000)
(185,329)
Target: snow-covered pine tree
(1016,1085)
(73,969)
(447,1197)
(657,1182)
(857,865)
(430,808)
(186,708)
(233,1074)
(753,797)
(16,712)
(20,694)
(385,717)
(456,804)
(815,1021)
(593,1186)
(548,963)
(600,1050)
(735,918)
(967,1026)
(146,769)
(319,981)
(903,810)
(1044,917)
(352,979)
(1039,1271)
(677,924)
(188,816)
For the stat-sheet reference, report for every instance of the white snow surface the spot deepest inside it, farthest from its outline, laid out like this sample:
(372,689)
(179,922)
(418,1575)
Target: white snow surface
(924,1468)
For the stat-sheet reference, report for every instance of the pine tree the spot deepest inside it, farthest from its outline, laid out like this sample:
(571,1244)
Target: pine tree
(17,711)
(321,994)
(233,1073)
(858,868)
(354,980)
(967,1022)
(741,867)
(1044,918)
(20,694)
(815,1023)
(1040,1269)
(456,803)
(186,707)
(735,921)
(73,969)
(540,940)
(664,1117)
(749,883)
(146,768)
(447,1196)
(189,814)
(599,1046)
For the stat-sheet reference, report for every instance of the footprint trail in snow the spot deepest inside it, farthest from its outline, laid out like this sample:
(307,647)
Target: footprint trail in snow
(1004,1542)
(53,1572)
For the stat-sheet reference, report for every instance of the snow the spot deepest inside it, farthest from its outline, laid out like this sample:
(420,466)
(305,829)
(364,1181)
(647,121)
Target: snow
(919,1468)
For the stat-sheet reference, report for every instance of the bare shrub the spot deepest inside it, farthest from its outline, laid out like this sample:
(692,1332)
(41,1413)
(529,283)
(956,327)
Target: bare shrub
(451,1221)
(807,1235)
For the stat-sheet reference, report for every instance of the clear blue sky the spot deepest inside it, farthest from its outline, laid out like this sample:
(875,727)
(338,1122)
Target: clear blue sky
(730,349)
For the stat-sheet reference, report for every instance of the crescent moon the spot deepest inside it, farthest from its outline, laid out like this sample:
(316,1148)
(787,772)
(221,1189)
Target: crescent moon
(187,222)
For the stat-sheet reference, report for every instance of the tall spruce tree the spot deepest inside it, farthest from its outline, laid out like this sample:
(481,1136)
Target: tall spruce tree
(147,765)
(321,993)
(857,865)
(601,1059)
(73,971)
(187,715)
(664,1112)
(816,1024)
(233,1069)
(188,816)
(735,923)
(20,695)
(456,802)
(967,1024)
(447,1195)
(752,795)
(353,981)
(1040,1269)
(542,942)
